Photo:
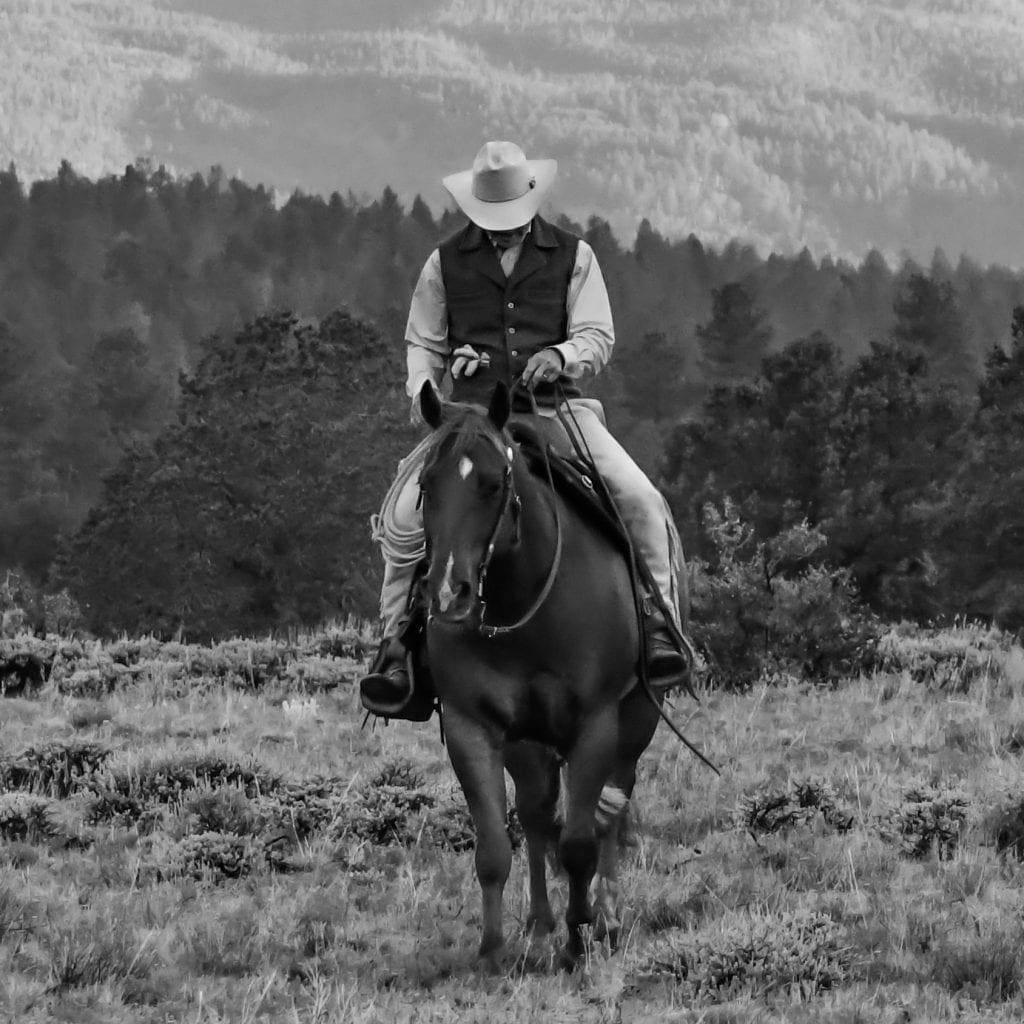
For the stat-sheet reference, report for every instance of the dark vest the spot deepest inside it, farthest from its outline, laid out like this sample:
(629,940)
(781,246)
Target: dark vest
(509,319)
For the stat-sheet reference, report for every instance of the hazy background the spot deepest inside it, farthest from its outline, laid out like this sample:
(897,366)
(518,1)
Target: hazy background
(838,125)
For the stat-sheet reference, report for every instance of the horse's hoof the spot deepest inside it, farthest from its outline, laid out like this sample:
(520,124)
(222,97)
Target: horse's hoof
(569,959)
(491,948)
(607,931)
(572,952)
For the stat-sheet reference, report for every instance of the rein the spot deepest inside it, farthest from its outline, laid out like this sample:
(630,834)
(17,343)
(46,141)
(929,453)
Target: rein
(510,500)
(579,442)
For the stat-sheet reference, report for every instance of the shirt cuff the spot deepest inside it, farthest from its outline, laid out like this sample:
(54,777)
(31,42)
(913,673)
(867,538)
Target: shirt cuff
(572,366)
(414,384)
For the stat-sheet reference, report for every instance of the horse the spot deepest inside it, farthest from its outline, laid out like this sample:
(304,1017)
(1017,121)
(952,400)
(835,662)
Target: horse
(532,644)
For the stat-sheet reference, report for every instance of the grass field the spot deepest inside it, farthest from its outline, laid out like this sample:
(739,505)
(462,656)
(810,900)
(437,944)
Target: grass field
(205,848)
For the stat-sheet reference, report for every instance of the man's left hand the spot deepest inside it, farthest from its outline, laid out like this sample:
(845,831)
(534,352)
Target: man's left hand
(544,367)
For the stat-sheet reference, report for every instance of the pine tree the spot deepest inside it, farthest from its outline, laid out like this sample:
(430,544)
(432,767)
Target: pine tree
(898,439)
(983,535)
(736,338)
(251,512)
(929,321)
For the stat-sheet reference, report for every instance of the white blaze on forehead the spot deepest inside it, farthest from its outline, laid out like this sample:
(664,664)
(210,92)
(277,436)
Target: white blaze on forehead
(465,466)
(446,591)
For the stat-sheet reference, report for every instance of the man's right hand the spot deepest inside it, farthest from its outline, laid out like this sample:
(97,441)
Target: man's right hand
(466,361)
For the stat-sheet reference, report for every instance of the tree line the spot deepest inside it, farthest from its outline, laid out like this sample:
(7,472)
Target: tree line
(141,336)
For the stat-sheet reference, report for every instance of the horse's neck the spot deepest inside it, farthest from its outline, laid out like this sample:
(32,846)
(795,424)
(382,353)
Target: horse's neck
(529,560)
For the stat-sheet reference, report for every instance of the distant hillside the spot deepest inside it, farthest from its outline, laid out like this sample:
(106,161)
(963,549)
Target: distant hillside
(839,127)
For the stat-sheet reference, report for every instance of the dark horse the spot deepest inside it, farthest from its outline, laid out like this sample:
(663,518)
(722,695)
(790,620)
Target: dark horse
(532,644)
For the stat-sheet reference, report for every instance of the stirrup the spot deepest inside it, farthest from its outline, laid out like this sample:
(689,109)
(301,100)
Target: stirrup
(669,662)
(389,690)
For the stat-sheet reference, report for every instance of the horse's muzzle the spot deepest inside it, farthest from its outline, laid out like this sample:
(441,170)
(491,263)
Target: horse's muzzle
(458,608)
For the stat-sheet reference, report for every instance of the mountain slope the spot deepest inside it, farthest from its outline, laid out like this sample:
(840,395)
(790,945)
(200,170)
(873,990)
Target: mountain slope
(837,125)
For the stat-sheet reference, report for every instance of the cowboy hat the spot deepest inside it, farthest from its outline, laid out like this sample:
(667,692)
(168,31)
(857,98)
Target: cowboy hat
(502,190)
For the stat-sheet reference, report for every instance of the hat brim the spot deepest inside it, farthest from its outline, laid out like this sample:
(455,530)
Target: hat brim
(511,214)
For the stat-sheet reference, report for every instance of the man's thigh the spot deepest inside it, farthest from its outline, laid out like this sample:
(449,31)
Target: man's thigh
(613,462)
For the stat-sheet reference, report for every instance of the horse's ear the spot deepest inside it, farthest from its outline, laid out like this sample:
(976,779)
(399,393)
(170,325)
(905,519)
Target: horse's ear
(501,405)
(430,405)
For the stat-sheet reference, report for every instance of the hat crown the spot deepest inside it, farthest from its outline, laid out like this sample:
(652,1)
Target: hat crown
(501,173)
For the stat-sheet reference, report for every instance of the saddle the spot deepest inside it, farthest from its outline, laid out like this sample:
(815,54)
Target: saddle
(545,445)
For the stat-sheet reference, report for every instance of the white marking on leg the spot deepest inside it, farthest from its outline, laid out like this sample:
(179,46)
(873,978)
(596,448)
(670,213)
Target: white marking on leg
(446,593)
(610,805)
(465,466)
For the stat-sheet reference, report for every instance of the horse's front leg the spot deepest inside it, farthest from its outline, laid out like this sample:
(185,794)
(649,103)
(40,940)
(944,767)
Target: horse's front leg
(590,763)
(534,768)
(476,756)
(611,812)
(638,719)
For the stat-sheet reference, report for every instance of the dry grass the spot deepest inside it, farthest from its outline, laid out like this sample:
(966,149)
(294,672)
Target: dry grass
(859,860)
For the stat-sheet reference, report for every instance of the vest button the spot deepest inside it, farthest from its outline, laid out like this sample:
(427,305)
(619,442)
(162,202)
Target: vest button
(511,330)
(511,305)
(515,351)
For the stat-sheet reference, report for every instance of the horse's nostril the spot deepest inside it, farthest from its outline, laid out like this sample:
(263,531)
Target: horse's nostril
(455,600)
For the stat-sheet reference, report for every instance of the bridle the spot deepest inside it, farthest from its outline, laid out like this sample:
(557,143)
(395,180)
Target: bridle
(512,503)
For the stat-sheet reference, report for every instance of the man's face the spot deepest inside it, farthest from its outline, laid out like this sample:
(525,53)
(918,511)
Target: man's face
(507,239)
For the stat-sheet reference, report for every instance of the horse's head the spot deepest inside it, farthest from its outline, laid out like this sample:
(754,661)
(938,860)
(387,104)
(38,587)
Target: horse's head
(470,505)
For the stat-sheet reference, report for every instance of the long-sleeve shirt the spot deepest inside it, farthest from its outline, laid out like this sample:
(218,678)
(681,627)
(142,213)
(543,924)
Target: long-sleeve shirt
(587,348)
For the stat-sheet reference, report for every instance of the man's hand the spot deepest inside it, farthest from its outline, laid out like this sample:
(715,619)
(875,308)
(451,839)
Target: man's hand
(544,367)
(466,361)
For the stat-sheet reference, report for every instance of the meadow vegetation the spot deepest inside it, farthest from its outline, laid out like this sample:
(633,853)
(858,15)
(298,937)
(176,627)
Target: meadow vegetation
(211,835)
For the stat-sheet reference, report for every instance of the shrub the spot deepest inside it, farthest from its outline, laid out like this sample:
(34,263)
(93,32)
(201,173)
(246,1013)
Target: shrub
(946,659)
(381,815)
(26,817)
(318,675)
(450,827)
(400,773)
(22,671)
(755,955)
(122,810)
(769,810)
(131,797)
(214,856)
(222,810)
(767,607)
(94,950)
(928,819)
(304,808)
(351,639)
(167,781)
(57,769)
(93,680)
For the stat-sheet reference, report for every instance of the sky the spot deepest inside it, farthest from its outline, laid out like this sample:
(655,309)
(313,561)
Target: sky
(836,125)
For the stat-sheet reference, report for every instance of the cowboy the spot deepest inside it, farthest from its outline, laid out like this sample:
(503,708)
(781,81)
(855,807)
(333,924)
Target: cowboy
(512,297)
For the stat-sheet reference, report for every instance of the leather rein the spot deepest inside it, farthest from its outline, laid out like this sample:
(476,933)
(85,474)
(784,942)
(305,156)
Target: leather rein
(510,501)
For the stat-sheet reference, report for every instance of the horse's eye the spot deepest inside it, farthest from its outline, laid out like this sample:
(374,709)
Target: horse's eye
(489,489)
